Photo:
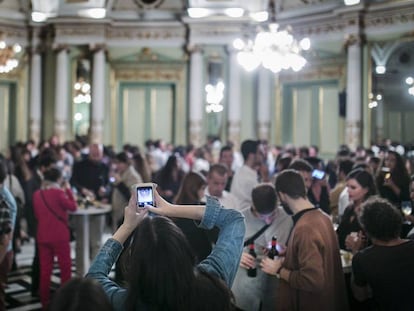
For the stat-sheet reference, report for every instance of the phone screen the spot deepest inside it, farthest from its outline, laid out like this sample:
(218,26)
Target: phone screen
(145,196)
(318,174)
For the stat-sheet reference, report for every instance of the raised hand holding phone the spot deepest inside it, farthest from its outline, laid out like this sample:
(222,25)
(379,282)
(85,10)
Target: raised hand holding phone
(145,194)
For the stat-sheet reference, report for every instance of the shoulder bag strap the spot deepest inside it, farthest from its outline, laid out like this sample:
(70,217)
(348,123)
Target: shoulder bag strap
(256,235)
(51,210)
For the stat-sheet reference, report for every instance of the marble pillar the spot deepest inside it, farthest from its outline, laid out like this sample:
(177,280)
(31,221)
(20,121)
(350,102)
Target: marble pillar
(264,105)
(98,96)
(354,96)
(62,94)
(35,108)
(196,97)
(234,110)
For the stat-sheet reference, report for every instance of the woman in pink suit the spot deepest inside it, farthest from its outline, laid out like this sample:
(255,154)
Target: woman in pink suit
(51,204)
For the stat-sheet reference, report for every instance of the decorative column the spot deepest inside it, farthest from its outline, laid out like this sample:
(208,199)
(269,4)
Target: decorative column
(379,127)
(62,94)
(263,109)
(234,96)
(196,96)
(353,91)
(35,95)
(98,96)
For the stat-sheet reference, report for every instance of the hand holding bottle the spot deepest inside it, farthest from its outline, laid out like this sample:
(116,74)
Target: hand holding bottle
(247,261)
(271,266)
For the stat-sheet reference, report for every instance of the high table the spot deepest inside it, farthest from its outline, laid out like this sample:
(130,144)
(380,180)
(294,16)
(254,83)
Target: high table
(95,209)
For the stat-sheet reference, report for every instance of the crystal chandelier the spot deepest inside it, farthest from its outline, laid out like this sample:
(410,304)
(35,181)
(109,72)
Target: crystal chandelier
(273,48)
(8,61)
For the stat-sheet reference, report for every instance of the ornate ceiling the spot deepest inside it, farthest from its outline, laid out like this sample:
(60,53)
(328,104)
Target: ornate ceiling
(386,25)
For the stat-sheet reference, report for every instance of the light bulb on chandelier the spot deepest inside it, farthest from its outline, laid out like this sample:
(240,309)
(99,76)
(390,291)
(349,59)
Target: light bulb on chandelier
(274,49)
(8,61)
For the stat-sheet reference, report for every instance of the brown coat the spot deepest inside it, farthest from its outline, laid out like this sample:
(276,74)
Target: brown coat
(316,280)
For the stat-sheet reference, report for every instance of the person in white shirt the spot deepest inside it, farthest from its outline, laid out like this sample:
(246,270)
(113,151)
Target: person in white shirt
(216,182)
(247,177)
(260,292)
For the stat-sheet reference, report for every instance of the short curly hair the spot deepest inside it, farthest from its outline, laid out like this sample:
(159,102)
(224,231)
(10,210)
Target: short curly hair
(380,219)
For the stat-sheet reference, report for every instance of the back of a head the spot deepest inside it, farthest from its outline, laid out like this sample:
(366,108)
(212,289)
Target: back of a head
(381,220)
(52,174)
(315,162)
(211,293)
(301,165)
(80,294)
(248,147)
(46,158)
(264,198)
(283,162)
(291,183)
(160,266)
(122,157)
(345,166)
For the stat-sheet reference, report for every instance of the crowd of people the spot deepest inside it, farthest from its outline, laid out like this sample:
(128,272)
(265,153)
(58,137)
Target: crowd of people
(217,209)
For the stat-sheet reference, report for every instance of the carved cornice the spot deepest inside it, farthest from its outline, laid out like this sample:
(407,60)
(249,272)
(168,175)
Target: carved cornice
(317,72)
(150,74)
(82,30)
(390,17)
(390,20)
(145,33)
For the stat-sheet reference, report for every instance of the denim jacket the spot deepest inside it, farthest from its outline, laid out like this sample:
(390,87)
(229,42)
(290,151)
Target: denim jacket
(223,261)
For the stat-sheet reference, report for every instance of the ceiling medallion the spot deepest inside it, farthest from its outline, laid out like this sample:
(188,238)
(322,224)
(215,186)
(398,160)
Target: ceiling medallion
(148,4)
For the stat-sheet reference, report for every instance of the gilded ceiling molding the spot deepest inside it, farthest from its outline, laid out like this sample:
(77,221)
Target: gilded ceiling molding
(82,30)
(396,17)
(292,4)
(14,34)
(150,74)
(153,33)
(314,73)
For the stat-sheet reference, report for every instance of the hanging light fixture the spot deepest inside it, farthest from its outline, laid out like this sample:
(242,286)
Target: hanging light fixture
(274,48)
(410,82)
(8,61)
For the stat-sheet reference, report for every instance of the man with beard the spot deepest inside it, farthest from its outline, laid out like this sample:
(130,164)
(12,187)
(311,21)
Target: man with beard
(310,273)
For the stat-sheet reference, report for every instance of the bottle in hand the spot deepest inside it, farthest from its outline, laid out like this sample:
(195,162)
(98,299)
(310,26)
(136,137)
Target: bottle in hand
(251,272)
(273,252)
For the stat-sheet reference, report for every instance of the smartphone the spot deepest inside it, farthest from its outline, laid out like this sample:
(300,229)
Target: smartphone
(145,194)
(318,174)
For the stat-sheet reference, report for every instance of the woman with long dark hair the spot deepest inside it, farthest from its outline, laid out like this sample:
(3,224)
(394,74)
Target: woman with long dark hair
(393,180)
(169,179)
(191,192)
(361,186)
(162,272)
